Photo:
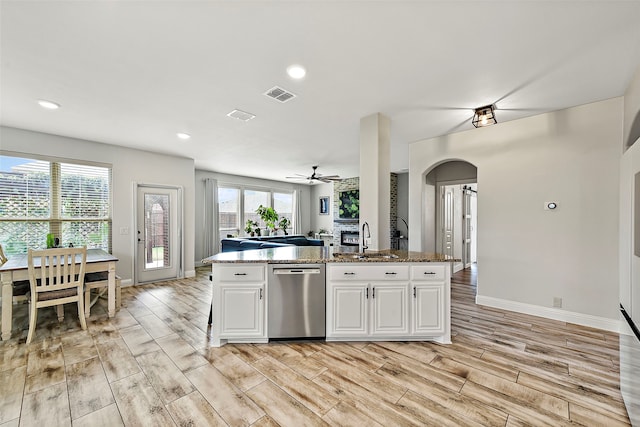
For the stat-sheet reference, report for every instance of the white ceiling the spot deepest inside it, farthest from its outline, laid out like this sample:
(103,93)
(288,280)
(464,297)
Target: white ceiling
(134,73)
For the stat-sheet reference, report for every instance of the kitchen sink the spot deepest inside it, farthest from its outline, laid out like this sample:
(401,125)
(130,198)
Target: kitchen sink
(364,255)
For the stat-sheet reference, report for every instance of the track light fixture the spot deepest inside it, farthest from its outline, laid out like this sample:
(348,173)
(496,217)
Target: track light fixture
(484,116)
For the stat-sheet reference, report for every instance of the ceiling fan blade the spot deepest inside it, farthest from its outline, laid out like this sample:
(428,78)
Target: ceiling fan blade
(301,177)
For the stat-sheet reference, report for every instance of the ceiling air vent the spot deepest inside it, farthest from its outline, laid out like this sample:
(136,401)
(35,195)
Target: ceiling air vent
(279,94)
(241,115)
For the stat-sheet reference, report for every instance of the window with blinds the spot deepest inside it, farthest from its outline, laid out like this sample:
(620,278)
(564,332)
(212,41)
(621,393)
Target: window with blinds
(237,205)
(72,201)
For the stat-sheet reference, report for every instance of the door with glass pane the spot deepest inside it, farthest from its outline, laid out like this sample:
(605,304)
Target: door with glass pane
(158,255)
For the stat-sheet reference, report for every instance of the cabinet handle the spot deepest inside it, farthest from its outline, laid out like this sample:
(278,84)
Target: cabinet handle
(393,273)
(414,291)
(239,274)
(260,293)
(429,272)
(373,292)
(349,273)
(367,292)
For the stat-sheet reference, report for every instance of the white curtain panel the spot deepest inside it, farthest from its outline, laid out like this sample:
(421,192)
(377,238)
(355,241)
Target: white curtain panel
(210,226)
(297,212)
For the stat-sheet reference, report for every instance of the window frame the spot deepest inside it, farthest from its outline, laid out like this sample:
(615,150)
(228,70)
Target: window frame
(241,205)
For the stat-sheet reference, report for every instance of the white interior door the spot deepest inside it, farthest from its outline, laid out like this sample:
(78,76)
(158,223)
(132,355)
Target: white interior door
(451,226)
(467,227)
(159,237)
(448,219)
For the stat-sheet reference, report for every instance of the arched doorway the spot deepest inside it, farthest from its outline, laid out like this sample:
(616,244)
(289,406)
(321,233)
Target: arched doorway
(450,211)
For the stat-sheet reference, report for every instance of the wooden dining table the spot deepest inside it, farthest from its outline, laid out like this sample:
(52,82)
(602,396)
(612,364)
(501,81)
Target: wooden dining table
(16,269)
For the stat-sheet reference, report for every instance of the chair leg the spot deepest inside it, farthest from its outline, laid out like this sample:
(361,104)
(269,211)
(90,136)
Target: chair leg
(87,303)
(81,312)
(118,295)
(33,317)
(60,310)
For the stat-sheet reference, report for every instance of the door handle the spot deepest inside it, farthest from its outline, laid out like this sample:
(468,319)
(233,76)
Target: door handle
(414,291)
(373,292)
(367,292)
(260,293)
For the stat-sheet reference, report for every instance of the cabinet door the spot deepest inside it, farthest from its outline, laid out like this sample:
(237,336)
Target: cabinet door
(390,314)
(347,311)
(242,310)
(428,309)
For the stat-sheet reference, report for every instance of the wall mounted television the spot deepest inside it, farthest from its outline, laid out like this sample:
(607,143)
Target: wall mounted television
(349,204)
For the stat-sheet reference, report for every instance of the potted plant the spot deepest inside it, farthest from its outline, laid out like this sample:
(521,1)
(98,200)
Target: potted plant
(284,223)
(249,227)
(269,216)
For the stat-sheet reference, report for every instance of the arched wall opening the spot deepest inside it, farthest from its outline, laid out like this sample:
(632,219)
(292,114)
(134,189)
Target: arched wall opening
(449,210)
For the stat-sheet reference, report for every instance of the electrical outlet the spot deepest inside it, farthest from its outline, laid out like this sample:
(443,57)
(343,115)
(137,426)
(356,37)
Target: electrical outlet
(557,302)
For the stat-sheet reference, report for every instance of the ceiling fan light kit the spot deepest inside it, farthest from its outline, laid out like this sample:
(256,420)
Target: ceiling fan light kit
(484,116)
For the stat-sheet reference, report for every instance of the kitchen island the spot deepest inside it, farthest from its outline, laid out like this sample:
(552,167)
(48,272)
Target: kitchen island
(372,296)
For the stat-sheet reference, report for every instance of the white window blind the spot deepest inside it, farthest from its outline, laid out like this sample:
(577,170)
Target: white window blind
(37,197)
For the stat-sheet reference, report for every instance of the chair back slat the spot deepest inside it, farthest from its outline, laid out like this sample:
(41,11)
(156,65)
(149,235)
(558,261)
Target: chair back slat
(56,269)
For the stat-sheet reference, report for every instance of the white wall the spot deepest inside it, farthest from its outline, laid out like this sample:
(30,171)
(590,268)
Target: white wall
(321,221)
(527,255)
(201,175)
(129,167)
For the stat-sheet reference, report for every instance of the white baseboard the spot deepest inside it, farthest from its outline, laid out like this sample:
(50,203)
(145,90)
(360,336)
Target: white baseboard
(597,322)
(190,273)
(126,282)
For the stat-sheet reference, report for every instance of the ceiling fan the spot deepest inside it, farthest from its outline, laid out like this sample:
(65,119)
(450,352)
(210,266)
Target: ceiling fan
(315,177)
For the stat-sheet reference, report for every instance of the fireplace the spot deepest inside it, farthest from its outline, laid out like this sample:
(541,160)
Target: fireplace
(349,238)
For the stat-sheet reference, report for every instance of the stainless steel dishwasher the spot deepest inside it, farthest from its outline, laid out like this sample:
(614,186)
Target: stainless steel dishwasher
(296,301)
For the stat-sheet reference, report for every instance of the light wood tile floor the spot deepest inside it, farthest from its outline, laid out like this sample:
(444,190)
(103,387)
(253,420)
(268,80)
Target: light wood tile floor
(153,365)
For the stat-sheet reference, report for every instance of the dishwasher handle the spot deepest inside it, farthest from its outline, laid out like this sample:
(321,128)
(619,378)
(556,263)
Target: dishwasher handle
(296,271)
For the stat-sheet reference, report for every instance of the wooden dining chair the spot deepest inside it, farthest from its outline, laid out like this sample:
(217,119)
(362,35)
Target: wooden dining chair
(21,287)
(56,277)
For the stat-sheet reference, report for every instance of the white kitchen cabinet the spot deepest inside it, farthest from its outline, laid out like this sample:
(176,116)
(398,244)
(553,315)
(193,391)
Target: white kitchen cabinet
(390,309)
(242,310)
(366,300)
(368,309)
(239,303)
(348,312)
(388,301)
(427,309)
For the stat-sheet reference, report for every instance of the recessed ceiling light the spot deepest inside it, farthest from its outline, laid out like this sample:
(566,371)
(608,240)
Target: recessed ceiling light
(296,71)
(49,105)
(182,135)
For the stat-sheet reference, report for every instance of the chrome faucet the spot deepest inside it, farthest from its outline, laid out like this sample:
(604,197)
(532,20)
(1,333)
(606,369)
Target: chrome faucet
(365,225)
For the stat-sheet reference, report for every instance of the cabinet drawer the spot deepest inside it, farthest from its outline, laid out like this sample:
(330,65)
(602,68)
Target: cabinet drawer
(362,271)
(239,273)
(427,272)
